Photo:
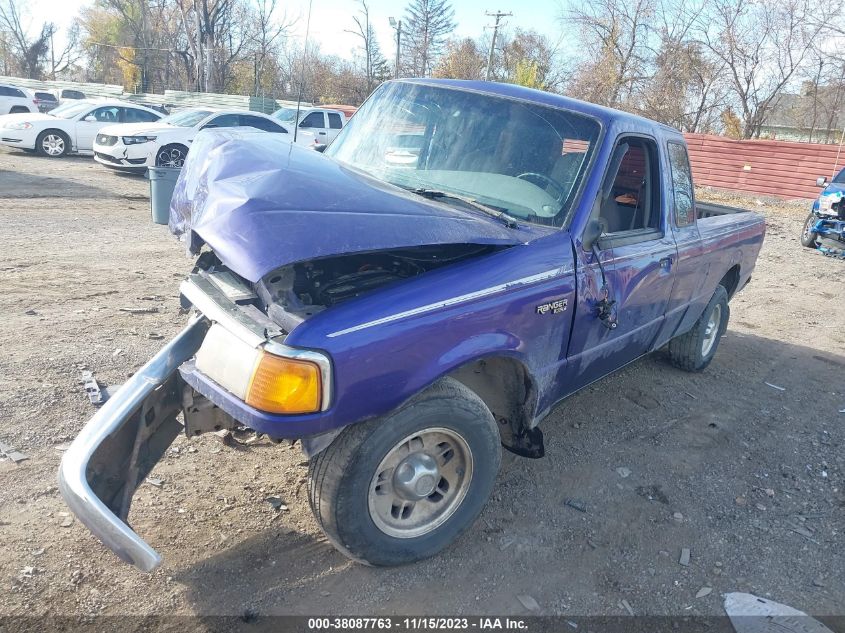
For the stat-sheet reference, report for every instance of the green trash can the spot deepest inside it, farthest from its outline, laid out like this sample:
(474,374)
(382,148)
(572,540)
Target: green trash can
(162,183)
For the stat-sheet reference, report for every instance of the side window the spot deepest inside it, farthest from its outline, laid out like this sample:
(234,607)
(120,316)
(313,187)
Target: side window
(224,120)
(108,114)
(260,124)
(5,92)
(682,185)
(133,115)
(315,119)
(334,121)
(631,201)
(18,93)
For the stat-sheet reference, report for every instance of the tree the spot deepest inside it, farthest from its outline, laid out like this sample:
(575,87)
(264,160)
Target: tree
(462,59)
(427,24)
(375,64)
(762,45)
(614,36)
(28,53)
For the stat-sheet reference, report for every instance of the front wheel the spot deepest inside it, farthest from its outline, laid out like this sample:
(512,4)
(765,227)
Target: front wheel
(399,489)
(808,236)
(694,350)
(52,143)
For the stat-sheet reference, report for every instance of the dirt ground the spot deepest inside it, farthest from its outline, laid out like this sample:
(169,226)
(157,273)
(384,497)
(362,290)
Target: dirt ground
(747,476)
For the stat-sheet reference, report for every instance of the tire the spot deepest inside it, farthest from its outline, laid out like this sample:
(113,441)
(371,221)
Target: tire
(356,505)
(808,237)
(171,156)
(694,350)
(52,143)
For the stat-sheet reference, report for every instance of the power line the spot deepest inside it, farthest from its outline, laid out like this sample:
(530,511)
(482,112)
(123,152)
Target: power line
(498,15)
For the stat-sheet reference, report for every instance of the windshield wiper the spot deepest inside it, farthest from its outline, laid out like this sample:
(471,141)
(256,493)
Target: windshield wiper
(434,194)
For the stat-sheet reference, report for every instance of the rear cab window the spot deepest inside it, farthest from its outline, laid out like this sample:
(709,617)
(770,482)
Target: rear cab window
(335,121)
(682,187)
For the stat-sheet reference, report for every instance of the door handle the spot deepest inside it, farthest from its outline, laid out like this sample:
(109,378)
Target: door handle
(322,133)
(665,263)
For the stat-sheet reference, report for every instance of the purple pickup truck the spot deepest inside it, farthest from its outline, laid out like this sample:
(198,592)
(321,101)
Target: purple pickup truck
(422,293)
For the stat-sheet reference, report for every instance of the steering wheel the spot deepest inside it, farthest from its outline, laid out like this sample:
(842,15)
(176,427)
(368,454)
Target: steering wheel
(555,185)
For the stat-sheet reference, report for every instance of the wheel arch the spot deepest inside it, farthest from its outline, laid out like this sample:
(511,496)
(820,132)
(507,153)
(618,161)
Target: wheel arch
(730,280)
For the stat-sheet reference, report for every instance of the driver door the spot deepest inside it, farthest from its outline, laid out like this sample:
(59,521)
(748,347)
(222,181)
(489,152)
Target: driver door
(636,254)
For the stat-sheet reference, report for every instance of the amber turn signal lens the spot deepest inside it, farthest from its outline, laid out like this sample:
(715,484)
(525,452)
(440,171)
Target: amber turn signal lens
(284,385)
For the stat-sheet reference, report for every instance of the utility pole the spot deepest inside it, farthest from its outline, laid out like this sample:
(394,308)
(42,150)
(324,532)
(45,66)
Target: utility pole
(397,24)
(498,15)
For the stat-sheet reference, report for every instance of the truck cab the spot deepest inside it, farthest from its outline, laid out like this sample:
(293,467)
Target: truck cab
(317,126)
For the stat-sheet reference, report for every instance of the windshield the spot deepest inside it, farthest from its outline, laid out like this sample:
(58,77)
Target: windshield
(519,158)
(70,110)
(186,118)
(285,114)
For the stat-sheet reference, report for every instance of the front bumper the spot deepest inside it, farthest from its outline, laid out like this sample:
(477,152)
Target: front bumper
(123,157)
(120,445)
(124,440)
(17,138)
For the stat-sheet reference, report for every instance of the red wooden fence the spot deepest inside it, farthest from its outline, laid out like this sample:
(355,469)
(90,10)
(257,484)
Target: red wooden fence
(772,168)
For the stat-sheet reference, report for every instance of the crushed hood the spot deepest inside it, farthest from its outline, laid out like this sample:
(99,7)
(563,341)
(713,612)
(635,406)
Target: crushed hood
(261,202)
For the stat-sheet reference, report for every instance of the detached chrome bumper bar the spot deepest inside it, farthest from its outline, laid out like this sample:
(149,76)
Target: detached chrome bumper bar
(122,442)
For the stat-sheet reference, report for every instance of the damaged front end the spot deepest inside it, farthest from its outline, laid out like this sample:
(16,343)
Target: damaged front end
(120,445)
(129,434)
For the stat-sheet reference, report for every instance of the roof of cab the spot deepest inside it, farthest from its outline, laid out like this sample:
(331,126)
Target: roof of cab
(513,91)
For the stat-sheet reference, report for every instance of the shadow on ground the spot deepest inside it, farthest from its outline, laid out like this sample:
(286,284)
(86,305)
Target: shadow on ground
(747,467)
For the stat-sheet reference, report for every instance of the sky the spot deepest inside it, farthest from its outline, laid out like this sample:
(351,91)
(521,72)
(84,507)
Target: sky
(331,18)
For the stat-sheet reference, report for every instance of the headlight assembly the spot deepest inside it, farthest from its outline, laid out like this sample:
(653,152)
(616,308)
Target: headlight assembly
(137,140)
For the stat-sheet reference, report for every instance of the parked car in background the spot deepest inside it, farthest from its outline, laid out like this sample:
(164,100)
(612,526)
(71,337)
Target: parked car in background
(45,101)
(165,143)
(71,127)
(69,94)
(14,100)
(317,126)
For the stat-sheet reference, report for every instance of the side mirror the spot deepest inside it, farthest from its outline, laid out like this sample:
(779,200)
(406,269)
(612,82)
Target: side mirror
(90,118)
(821,181)
(320,147)
(591,235)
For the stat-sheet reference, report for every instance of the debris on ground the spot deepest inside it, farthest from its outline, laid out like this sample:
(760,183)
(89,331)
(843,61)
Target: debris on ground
(150,310)
(767,616)
(678,517)
(768,384)
(62,447)
(153,481)
(15,455)
(627,606)
(92,387)
(576,504)
(684,559)
(623,472)
(704,591)
(277,503)
(528,602)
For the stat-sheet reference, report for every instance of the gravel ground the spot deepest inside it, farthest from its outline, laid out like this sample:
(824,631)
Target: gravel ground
(748,477)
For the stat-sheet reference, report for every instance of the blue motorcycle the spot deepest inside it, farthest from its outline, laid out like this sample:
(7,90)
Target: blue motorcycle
(824,228)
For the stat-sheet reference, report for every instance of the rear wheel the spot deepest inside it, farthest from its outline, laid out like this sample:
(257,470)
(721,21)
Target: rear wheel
(52,143)
(171,156)
(808,236)
(694,350)
(399,489)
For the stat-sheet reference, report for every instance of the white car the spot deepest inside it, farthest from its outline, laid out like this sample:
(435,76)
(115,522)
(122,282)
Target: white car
(165,143)
(70,127)
(14,99)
